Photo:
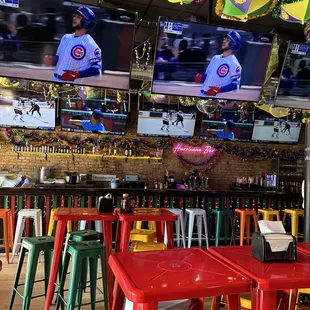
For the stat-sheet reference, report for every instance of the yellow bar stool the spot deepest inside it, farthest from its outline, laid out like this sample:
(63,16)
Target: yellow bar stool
(138,225)
(51,224)
(142,235)
(148,246)
(245,301)
(269,214)
(295,214)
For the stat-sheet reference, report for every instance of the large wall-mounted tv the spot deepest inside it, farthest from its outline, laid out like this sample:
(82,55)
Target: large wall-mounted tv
(27,104)
(96,115)
(294,87)
(229,122)
(165,120)
(67,42)
(284,129)
(200,60)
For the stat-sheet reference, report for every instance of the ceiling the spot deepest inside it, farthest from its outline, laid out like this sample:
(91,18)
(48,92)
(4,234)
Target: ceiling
(149,11)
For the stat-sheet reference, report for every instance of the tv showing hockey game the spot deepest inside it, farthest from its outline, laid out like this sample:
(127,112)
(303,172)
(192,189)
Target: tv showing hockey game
(96,115)
(230,122)
(164,120)
(67,42)
(200,60)
(23,108)
(293,90)
(268,128)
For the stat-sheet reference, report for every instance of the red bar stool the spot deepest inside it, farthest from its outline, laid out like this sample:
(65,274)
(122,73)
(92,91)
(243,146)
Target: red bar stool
(245,223)
(6,216)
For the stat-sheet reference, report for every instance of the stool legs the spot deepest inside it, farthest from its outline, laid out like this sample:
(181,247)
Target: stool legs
(199,229)
(295,225)
(218,230)
(38,224)
(73,283)
(18,235)
(6,236)
(62,280)
(93,262)
(205,223)
(177,231)
(190,230)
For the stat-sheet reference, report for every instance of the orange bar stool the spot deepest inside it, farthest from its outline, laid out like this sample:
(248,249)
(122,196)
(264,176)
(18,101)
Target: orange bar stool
(245,223)
(295,214)
(6,216)
(269,214)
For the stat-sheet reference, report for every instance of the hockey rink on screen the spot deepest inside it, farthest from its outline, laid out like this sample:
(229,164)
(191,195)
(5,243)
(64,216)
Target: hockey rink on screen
(153,125)
(47,118)
(266,133)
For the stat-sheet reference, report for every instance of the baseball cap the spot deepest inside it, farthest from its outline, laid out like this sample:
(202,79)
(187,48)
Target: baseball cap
(230,123)
(97,114)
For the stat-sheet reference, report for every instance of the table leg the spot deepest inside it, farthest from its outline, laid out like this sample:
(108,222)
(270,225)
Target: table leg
(118,236)
(152,306)
(125,235)
(233,302)
(118,298)
(267,300)
(59,237)
(170,234)
(159,233)
(107,237)
(197,304)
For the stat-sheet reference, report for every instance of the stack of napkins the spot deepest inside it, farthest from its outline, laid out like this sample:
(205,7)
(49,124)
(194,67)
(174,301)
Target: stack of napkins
(275,235)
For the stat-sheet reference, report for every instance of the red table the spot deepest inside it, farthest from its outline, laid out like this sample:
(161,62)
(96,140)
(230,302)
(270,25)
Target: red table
(62,216)
(158,215)
(147,278)
(267,278)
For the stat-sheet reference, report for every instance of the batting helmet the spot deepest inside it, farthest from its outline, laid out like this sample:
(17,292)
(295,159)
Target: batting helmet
(235,40)
(89,19)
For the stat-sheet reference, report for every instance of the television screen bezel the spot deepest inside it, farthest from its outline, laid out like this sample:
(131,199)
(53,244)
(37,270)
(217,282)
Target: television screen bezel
(206,24)
(283,65)
(74,2)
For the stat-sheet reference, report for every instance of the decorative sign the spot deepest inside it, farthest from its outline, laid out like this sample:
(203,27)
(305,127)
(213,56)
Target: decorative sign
(204,149)
(10,3)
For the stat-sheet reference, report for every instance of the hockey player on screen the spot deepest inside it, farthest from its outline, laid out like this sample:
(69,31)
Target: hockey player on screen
(165,122)
(223,73)
(179,119)
(34,108)
(19,111)
(78,55)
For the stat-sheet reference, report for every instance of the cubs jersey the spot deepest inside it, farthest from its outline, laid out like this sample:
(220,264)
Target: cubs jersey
(77,54)
(222,71)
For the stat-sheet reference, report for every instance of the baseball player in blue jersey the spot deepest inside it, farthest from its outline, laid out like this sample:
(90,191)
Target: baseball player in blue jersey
(78,55)
(223,73)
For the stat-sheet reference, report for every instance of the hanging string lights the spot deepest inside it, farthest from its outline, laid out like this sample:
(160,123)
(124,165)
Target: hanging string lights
(145,51)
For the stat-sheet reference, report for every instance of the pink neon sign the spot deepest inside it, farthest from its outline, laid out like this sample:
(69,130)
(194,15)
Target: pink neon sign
(205,149)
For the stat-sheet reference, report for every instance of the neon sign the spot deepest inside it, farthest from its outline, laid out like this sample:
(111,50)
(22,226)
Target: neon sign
(205,149)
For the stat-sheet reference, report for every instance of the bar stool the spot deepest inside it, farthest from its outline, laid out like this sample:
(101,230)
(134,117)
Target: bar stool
(245,301)
(200,214)
(6,216)
(219,215)
(183,304)
(79,252)
(245,222)
(143,235)
(268,214)
(178,223)
(148,246)
(295,214)
(34,246)
(52,222)
(36,215)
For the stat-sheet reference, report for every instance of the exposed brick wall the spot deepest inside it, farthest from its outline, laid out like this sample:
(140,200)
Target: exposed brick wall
(226,169)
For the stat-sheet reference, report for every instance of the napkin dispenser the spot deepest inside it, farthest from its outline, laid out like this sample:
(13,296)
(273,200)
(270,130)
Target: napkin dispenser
(273,247)
(106,204)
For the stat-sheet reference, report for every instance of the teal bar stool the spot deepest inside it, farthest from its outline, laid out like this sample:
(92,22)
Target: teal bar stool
(220,214)
(79,252)
(34,246)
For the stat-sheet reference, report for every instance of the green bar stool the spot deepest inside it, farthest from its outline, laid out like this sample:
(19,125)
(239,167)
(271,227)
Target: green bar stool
(34,246)
(79,252)
(219,215)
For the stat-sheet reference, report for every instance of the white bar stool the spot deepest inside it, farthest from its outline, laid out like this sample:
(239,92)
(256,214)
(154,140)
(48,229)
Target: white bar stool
(36,215)
(178,223)
(183,304)
(199,214)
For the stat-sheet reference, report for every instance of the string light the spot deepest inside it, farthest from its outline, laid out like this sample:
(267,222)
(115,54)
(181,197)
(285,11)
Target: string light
(146,49)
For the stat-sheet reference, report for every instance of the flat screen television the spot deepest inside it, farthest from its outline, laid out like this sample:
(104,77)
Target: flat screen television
(277,130)
(294,87)
(165,120)
(67,42)
(201,60)
(229,122)
(26,107)
(96,115)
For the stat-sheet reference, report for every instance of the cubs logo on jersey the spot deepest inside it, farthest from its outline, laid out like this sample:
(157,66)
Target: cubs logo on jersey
(78,52)
(223,70)
(97,53)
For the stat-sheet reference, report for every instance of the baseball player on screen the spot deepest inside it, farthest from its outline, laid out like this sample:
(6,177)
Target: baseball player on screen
(78,55)
(223,73)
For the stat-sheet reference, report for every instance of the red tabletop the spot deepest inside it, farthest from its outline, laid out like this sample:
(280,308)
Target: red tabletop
(174,274)
(303,247)
(148,214)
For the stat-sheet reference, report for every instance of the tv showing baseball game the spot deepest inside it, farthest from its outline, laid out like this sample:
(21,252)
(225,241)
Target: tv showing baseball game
(201,60)
(165,120)
(67,42)
(268,128)
(294,87)
(96,115)
(26,107)
(229,122)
